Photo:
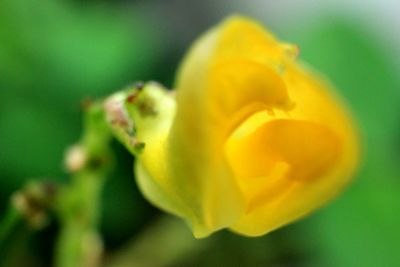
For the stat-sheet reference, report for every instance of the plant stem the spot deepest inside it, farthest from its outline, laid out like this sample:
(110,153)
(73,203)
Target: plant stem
(165,242)
(79,244)
(144,108)
(77,205)
(27,211)
(9,225)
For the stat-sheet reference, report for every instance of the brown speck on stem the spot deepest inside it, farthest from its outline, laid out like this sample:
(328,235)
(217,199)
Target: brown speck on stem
(86,103)
(137,145)
(146,107)
(132,97)
(95,163)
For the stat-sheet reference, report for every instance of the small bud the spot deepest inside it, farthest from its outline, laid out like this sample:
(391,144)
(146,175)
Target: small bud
(33,201)
(75,158)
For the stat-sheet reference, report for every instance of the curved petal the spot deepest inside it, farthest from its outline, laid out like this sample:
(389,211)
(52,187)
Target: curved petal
(307,159)
(278,154)
(218,86)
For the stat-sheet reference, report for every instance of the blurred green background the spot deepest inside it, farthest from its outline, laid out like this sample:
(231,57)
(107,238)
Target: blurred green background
(54,54)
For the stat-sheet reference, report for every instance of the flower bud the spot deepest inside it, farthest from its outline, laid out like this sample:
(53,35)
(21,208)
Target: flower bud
(257,139)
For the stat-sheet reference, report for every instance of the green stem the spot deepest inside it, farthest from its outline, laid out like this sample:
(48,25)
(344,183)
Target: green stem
(9,226)
(138,108)
(78,204)
(79,244)
(164,243)
(27,211)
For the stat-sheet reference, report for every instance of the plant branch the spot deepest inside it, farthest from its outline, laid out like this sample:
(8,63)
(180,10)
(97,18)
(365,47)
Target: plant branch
(79,244)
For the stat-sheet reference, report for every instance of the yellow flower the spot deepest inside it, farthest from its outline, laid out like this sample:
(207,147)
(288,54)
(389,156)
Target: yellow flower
(257,140)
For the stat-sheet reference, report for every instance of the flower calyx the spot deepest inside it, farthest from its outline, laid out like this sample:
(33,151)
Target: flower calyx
(137,111)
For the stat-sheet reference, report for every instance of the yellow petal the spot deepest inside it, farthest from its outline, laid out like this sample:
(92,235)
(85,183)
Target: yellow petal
(279,153)
(315,147)
(242,38)
(256,142)
(217,89)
